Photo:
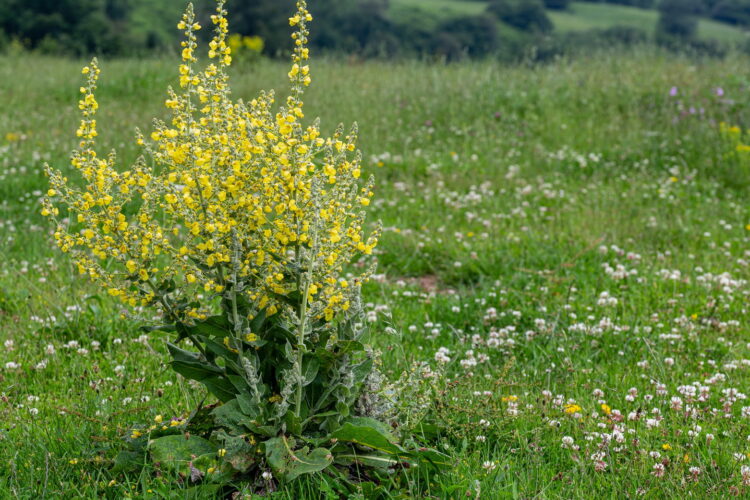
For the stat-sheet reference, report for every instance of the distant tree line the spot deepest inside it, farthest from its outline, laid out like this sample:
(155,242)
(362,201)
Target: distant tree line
(508,28)
(364,27)
(67,26)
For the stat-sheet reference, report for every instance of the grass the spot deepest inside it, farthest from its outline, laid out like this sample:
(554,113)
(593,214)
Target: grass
(571,234)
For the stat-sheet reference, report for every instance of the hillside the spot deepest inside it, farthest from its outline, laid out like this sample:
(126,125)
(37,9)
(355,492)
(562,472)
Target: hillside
(584,16)
(581,16)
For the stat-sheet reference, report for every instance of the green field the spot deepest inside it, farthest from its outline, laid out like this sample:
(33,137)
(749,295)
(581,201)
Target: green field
(581,16)
(443,7)
(565,247)
(585,16)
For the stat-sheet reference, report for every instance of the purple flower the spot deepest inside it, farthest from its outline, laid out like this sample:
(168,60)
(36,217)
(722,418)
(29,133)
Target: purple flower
(673,91)
(719,91)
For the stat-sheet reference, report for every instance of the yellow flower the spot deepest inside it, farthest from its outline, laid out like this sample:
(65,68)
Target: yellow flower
(666,447)
(230,197)
(570,409)
(606,409)
(506,399)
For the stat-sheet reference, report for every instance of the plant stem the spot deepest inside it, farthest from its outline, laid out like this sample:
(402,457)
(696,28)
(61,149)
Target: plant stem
(301,328)
(300,347)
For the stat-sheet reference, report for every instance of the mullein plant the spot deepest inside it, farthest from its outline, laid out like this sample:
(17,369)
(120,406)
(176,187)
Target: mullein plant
(237,223)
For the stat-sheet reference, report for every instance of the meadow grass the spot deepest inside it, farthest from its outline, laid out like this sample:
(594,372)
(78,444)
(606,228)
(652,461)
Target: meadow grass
(565,247)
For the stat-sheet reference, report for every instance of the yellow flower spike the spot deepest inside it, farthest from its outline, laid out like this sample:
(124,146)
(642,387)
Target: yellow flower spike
(225,187)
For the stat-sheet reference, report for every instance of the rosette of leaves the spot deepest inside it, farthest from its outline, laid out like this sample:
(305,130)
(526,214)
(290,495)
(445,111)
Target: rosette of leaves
(257,423)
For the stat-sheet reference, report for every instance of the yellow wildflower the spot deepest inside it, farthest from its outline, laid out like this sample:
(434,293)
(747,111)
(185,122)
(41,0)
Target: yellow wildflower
(570,409)
(229,189)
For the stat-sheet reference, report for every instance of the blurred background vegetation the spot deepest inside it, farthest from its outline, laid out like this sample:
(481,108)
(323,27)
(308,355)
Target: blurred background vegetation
(431,29)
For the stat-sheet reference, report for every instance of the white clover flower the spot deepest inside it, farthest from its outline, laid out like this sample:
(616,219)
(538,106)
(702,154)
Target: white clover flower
(658,470)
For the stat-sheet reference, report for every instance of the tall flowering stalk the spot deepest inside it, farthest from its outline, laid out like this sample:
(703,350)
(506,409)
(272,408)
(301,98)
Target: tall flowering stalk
(233,199)
(237,223)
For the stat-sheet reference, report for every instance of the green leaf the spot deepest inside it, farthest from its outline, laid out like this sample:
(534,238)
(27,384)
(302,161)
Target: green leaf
(196,370)
(378,460)
(191,366)
(127,461)
(176,451)
(342,409)
(320,415)
(248,406)
(289,352)
(289,464)
(292,298)
(368,432)
(158,328)
(310,366)
(239,454)
(219,349)
(216,326)
(348,346)
(179,354)
(220,387)
(257,322)
(362,370)
(432,457)
(230,416)
(293,424)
